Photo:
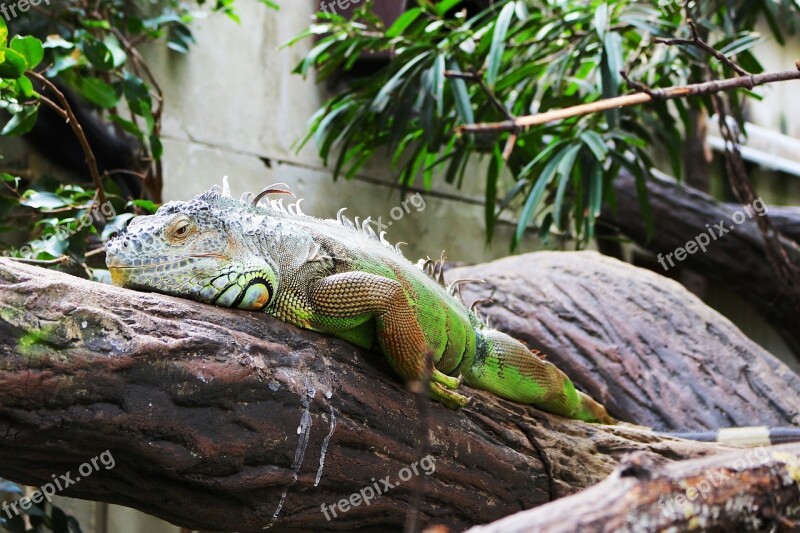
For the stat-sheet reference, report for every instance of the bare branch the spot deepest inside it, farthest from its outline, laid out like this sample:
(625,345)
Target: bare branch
(66,112)
(628,100)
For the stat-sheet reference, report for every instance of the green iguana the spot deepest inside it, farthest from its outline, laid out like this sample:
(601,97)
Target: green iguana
(340,278)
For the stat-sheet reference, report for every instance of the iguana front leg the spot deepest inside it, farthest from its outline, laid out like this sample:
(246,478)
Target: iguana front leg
(345,301)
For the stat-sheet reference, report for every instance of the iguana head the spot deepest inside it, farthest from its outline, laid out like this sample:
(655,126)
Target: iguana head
(197,250)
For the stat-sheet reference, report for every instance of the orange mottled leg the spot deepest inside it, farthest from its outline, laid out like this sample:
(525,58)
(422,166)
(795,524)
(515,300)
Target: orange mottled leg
(359,296)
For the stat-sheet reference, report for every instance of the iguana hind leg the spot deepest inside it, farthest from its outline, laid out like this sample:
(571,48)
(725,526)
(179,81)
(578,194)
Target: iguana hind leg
(351,298)
(507,368)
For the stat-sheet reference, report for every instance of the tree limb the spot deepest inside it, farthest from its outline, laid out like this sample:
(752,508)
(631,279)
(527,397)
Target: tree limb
(69,115)
(746,490)
(697,89)
(735,260)
(205,410)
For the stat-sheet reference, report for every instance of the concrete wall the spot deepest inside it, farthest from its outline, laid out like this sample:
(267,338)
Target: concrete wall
(233,108)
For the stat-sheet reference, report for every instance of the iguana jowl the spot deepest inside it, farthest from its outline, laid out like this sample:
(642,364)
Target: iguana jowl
(339,278)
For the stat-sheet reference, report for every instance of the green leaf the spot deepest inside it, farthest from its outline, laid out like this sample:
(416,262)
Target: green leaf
(128,126)
(3,33)
(270,4)
(444,6)
(382,98)
(14,65)
(499,42)
(403,22)
(156,148)
(98,54)
(536,194)
(21,122)
(180,38)
(118,55)
(564,171)
(30,48)
(98,24)
(25,87)
(438,84)
(601,20)
(461,96)
(42,200)
(99,92)
(595,198)
(137,94)
(495,163)
(595,142)
(611,64)
(147,205)
(741,44)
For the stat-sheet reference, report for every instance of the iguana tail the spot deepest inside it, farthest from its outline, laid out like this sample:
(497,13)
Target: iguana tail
(507,368)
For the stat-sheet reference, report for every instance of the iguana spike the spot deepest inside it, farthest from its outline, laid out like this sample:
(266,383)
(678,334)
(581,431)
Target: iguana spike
(455,287)
(358,224)
(397,247)
(478,302)
(275,188)
(226,187)
(297,210)
(340,216)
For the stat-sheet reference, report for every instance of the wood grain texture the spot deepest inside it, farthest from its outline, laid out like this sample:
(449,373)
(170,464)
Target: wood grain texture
(737,260)
(201,408)
(643,345)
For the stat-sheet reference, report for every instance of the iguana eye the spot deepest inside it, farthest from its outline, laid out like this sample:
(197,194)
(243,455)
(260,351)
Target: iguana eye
(180,228)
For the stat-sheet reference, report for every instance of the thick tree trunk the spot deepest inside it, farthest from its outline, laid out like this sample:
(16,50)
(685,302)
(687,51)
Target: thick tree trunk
(736,259)
(213,415)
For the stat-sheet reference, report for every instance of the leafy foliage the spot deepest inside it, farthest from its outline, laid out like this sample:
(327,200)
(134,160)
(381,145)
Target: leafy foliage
(91,48)
(528,56)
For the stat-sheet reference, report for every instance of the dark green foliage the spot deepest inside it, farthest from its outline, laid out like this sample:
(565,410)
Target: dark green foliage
(534,56)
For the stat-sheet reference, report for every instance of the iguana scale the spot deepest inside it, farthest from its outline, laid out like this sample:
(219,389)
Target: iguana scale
(340,278)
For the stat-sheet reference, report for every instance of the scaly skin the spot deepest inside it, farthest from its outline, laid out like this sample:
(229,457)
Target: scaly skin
(338,278)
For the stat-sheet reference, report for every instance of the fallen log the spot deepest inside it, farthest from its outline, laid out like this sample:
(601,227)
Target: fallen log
(736,260)
(232,421)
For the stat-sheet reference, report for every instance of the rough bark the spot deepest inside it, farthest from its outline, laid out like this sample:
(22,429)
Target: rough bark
(736,260)
(642,344)
(748,490)
(203,410)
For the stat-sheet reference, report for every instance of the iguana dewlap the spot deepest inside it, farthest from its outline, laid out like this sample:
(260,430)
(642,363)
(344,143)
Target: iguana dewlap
(339,278)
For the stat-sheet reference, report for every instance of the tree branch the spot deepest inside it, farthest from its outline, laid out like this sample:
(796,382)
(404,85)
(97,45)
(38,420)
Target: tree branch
(214,416)
(698,89)
(91,162)
(744,490)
